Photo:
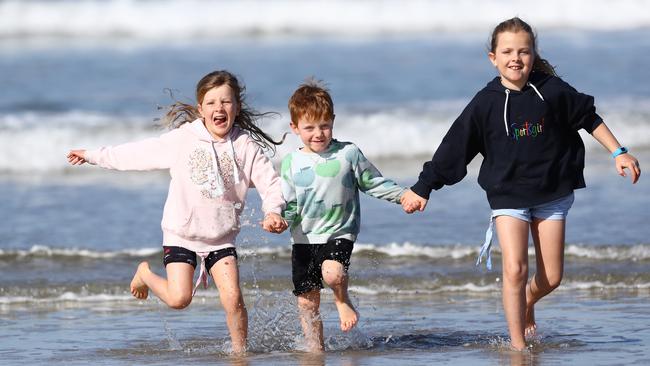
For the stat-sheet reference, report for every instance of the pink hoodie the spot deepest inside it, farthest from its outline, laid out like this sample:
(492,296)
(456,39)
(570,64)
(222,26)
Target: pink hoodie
(209,181)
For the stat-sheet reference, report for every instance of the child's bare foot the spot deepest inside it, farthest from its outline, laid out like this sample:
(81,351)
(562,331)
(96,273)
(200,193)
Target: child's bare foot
(138,288)
(530,327)
(518,349)
(238,350)
(348,315)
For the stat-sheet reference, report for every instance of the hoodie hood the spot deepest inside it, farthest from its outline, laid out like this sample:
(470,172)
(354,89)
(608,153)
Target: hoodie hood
(535,78)
(198,128)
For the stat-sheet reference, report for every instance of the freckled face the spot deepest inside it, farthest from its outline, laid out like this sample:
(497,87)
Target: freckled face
(219,109)
(315,135)
(513,58)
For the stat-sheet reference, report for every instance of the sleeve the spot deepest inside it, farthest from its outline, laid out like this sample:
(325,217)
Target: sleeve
(371,182)
(578,109)
(288,191)
(449,163)
(267,182)
(148,154)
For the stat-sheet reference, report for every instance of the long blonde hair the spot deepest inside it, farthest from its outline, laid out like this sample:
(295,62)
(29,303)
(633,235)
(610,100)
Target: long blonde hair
(179,113)
(515,25)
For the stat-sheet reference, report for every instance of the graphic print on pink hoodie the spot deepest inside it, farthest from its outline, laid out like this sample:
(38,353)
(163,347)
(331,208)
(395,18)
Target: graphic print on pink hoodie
(209,181)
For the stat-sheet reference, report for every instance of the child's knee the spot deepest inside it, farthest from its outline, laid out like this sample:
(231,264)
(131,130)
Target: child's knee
(551,280)
(515,272)
(179,301)
(233,303)
(333,273)
(555,282)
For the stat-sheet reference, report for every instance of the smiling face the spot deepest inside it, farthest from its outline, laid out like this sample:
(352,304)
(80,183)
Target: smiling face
(219,109)
(513,57)
(315,135)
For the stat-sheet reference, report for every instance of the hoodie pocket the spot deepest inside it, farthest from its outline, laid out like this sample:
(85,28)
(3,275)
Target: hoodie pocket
(209,223)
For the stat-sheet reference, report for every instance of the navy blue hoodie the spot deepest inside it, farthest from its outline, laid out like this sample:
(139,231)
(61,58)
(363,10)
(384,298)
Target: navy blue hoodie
(532,153)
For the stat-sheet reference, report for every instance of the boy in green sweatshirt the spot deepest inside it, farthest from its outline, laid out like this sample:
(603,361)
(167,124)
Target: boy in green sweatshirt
(321,183)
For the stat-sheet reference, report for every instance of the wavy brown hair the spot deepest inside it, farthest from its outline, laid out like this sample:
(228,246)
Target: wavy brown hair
(179,113)
(516,25)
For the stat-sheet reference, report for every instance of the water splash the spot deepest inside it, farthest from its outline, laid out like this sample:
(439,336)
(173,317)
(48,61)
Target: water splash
(273,323)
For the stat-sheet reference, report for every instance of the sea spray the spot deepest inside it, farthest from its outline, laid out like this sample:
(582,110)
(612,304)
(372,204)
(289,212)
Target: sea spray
(274,323)
(172,339)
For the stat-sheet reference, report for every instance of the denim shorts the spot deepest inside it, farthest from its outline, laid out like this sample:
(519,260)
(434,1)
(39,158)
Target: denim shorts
(554,210)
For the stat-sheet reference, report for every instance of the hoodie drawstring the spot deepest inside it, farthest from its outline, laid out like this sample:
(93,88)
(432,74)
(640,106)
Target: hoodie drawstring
(203,273)
(505,105)
(536,91)
(219,187)
(217,167)
(487,245)
(505,112)
(235,169)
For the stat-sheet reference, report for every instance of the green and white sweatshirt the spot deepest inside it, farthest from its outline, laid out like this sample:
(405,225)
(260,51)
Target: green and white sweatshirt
(322,192)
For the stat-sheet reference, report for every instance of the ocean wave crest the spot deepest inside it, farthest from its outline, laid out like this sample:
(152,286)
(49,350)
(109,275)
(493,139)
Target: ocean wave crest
(64,296)
(45,251)
(22,134)
(610,253)
(123,19)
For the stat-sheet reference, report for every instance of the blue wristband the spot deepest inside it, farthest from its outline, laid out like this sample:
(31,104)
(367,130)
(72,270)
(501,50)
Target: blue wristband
(619,151)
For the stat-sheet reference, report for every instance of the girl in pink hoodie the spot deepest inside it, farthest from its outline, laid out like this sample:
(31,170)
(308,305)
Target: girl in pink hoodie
(214,153)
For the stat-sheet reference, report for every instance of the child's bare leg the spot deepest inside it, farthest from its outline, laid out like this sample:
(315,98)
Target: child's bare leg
(513,239)
(175,290)
(548,236)
(530,326)
(312,324)
(335,276)
(226,275)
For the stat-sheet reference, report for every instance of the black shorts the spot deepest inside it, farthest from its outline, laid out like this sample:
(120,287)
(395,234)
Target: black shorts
(182,255)
(307,260)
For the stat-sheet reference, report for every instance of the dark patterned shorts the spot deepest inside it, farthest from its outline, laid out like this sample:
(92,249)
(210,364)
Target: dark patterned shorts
(307,260)
(182,255)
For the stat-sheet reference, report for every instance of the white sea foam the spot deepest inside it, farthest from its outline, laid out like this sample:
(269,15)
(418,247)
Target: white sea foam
(83,298)
(599,285)
(157,20)
(381,290)
(617,253)
(23,135)
(612,253)
(48,251)
(65,297)
(414,250)
(474,288)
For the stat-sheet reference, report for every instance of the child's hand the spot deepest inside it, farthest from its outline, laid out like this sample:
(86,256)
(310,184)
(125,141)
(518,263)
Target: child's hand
(411,202)
(76,157)
(627,161)
(274,223)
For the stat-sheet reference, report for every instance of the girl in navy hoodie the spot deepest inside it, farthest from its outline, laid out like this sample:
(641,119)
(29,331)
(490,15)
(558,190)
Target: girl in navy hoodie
(525,124)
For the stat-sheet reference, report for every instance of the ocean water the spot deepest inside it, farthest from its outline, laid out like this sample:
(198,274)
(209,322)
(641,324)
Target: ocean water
(83,74)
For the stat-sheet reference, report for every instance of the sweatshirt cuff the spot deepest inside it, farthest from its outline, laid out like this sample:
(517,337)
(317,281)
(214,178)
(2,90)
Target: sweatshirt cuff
(277,210)
(597,122)
(90,156)
(421,189)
